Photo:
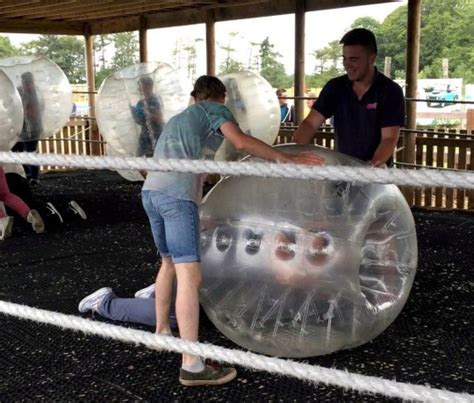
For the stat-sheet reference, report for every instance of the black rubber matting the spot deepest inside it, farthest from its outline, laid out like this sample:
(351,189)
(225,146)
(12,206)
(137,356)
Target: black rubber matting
(429,343)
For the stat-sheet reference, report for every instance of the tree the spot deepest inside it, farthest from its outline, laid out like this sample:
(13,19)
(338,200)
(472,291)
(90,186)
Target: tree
(126,50)
(328,57)
(447,31)
(328,65)
(6,47)
(369,23)
(271,69)
(191,53)
(66,51)
(230,65)
(101,43)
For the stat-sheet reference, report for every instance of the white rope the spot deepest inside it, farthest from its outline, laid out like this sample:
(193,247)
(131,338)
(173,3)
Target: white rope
(409,177)
(317,374)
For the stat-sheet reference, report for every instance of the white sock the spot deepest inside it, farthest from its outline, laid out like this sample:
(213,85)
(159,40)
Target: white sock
(197,366)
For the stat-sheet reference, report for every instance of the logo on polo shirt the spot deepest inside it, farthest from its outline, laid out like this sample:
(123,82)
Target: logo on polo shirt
(372,106)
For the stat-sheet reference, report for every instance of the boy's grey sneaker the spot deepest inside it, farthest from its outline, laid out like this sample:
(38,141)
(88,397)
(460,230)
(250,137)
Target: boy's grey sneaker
(147,292)
(36,221)
(74,206)
(6,225)
(210,375)
(92,301)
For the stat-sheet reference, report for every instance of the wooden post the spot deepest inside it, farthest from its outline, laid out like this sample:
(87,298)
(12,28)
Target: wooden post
(90,77)
(470,121)
(412,65)
(299,59)
(445,67)
(211,43)
(387,68)
(142,36)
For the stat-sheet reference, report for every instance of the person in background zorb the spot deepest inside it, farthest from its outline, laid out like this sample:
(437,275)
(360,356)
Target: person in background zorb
(368,108)
(148,113)
(171,201)
(287,112)
(33,107)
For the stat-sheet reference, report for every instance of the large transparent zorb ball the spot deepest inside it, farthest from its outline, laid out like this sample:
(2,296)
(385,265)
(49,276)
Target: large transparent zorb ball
(134,103)
(254,104)
(45,92)
(11,113)
(300,268)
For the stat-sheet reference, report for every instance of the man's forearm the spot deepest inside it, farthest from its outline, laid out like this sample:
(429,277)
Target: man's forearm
(304,134)
(384,151)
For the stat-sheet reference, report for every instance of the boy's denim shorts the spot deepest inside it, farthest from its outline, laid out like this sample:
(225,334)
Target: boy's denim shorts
(175,226)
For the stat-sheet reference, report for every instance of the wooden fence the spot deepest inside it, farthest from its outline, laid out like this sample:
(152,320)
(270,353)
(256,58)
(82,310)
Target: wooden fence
(434,149)
(78,137)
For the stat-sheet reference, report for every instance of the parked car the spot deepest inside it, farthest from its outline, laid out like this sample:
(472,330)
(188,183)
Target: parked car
(436,95)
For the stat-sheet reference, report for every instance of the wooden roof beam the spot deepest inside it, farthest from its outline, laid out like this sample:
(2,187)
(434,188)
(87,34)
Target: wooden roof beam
(44,9)
(41,27)
(14,4)
(142,8)
(88,5)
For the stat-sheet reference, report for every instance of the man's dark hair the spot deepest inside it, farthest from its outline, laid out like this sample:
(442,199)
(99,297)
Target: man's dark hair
(280,91)
(360,36)
(207,87)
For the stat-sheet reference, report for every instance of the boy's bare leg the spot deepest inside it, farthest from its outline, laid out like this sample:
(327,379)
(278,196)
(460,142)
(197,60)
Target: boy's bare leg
(187,304)
(163,292)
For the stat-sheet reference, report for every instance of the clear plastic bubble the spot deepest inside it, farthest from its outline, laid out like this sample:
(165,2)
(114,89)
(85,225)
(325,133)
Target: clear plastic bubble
(11,113)
(302,268)
(254,104)
(45,92)
(132,176)
(133,104)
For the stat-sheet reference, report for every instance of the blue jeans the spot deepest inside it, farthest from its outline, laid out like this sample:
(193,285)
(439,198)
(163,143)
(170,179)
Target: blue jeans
(175,226)
(134,310)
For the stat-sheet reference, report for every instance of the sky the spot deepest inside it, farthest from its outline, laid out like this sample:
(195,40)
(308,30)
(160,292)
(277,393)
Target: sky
(321,28)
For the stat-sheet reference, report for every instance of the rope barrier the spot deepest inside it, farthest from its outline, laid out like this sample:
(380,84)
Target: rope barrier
(408,177)
(316,374)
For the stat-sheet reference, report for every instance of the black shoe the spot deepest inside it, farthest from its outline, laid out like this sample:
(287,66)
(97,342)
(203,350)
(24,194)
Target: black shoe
(53,210)
(76,209)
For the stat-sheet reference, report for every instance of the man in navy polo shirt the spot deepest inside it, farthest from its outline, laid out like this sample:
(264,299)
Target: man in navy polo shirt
(368,107)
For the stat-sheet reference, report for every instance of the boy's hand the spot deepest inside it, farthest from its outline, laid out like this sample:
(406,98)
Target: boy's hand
(307,158)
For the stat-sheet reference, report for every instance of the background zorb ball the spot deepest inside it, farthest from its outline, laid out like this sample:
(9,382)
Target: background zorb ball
(133,104)
(11,113)
(300,268)
(45,92)
(254,104)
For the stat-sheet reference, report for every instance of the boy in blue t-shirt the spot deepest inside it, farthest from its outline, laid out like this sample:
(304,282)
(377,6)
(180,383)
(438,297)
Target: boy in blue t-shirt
(171,202)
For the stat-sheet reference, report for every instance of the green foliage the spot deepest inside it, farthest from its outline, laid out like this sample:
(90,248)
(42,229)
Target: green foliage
(392,39)
(447,31)
(6,47)
(101,75)
(230,65)
(327,65)
(66,51)
(126,50)
(369,23)
(270,68)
